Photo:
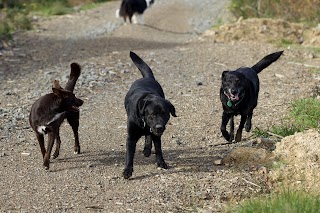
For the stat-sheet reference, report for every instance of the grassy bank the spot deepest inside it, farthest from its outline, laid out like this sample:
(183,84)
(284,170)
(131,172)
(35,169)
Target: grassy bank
(16,14)
(307,11)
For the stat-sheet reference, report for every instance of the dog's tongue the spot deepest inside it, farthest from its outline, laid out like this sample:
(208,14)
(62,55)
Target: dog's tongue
(234,97)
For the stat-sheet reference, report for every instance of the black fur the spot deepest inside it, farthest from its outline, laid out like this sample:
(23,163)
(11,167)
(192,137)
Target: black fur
(239,95)
(147,115)
(50,110)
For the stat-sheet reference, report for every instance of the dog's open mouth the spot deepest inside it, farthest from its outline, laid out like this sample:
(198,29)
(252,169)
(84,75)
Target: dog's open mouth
(232,97)
(74,108)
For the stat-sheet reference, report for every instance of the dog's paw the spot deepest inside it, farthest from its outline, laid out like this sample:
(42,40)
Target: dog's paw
(55,154)
(146,152)
(127,172)
(247,127)
(227,136)
(77,150)
(46,165)
(231,138)
(162,165)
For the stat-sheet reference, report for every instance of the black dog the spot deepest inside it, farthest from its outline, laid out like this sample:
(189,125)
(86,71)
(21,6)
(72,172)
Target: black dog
(131,8)
(239,95)
(148,113)
(49,111)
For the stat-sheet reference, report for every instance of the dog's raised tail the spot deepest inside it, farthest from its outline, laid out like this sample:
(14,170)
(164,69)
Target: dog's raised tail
(266,61)
(142,66)
(74,75)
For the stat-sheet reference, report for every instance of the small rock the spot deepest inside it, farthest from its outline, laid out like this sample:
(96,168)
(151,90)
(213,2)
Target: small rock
(25,153)
(199,83)
(218,162)
(279,76)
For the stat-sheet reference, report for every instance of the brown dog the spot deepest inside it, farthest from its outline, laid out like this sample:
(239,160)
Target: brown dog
(50,110)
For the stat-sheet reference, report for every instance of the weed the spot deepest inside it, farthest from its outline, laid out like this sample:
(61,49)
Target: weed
(286,201)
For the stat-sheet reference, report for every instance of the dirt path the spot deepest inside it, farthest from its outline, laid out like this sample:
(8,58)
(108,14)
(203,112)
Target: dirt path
(186,64)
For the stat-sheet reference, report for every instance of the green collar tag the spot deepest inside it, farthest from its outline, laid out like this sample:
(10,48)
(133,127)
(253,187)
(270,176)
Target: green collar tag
(229,103)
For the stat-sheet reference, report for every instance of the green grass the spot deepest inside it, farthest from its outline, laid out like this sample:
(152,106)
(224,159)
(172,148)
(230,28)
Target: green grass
(16,14)
(286,201)
(305,114)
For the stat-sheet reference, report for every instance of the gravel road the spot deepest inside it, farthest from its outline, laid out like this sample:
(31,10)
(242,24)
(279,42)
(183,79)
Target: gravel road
(186,64)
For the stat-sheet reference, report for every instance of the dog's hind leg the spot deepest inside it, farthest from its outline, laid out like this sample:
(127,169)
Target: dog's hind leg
(147,146)
(46,159)
(159,157)
(58,143)
(73,120)
(41,143)
(241,125)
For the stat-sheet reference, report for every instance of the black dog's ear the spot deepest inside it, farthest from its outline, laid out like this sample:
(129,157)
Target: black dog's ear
(142,103)
(172,109)
(224,74)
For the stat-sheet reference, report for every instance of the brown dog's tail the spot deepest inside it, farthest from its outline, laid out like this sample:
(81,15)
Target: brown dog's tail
(74,75)
(266,61)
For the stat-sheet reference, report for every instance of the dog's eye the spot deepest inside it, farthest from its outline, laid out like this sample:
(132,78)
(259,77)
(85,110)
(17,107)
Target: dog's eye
(152,115)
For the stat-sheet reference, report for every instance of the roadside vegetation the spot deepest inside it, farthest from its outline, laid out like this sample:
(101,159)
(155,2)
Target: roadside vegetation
(17,15)
(288,200)
(307,11)
(304,113)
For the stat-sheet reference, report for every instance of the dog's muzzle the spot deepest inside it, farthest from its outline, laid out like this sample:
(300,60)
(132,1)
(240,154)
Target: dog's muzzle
(157,130)
(232,95)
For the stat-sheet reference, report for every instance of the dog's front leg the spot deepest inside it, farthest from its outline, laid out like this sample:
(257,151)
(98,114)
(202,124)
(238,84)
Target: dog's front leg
(225,119)
(241,125)
(46,159)
(131,149)
(158,150)
(73,120)
(147,146)
(248,122)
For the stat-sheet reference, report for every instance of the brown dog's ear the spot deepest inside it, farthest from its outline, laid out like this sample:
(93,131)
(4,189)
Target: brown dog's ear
(58,92)
(56,84)
(57,89)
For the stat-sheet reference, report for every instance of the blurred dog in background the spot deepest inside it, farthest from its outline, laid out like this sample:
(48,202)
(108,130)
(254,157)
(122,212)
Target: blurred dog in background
(133,10)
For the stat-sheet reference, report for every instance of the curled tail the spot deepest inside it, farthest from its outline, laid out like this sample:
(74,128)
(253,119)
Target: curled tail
(266,61)
(74,75)
(142,66)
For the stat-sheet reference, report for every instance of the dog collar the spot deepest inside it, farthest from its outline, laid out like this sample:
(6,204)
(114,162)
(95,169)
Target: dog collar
(229,102)
(143,123)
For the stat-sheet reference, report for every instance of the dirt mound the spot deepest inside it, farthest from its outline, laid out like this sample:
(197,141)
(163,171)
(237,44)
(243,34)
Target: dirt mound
(301,166)
(266,30)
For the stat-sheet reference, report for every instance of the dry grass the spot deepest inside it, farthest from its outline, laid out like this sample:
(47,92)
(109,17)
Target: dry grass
(290,10)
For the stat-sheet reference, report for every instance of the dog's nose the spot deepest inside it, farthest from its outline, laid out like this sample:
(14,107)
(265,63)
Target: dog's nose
(79,102)
(159,128)
(234,91)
